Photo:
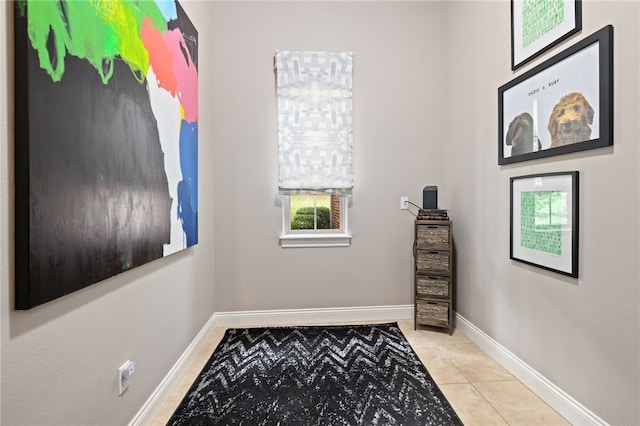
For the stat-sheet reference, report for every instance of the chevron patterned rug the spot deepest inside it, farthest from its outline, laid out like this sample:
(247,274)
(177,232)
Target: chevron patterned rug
(329,375)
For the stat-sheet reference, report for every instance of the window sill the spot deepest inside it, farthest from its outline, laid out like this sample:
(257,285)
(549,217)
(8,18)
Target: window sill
(311,240)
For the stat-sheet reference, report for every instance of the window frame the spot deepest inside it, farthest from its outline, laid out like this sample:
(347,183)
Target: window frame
(314,237)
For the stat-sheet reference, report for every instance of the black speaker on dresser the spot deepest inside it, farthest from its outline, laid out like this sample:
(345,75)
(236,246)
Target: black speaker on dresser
(430,197)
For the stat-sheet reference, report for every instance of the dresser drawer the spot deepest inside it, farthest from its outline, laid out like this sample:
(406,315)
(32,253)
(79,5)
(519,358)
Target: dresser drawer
(433,261)
(433,236)
(432,313)
(430,286)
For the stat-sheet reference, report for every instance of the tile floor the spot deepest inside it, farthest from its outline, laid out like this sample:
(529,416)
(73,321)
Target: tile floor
(480,390)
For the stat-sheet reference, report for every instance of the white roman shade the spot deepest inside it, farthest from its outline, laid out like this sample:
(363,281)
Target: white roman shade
(315,121)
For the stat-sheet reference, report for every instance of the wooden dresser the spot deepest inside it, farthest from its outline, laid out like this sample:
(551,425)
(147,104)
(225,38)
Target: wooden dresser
(432,252)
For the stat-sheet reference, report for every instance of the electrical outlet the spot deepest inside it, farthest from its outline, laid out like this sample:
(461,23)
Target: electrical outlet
(125,372)
(404,203)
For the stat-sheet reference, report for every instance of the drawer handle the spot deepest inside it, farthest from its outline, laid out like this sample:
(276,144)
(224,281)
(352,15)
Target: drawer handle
(433,252)
(432,227)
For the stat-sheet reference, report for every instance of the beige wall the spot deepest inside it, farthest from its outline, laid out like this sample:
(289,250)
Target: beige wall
(398,132)
(425,90)
(581,334)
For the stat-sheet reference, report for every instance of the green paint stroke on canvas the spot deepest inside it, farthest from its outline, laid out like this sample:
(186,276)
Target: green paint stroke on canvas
(542,216)
(539,17)
(95,30)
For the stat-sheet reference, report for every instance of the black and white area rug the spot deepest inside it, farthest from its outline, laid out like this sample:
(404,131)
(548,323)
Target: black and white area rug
(329,375)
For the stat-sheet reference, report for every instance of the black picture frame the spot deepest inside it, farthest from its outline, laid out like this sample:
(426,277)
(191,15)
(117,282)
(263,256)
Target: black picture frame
(532,122)
(538,28)
(544,221)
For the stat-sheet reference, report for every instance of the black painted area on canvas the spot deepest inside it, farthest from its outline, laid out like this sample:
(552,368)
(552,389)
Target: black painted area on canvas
(92,197)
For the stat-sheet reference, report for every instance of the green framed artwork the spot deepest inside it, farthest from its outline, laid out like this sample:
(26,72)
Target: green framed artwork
(539,25)
(544,221)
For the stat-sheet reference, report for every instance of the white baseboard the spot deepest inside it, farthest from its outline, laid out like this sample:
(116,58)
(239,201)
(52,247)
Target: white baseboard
(154,403)
(313,316)
(562,402)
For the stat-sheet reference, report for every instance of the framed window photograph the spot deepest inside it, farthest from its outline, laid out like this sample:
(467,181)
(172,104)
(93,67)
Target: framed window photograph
(563,105)
(544,221)
(537,26)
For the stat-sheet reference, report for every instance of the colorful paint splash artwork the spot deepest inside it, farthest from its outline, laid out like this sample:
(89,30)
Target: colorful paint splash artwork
(106,141)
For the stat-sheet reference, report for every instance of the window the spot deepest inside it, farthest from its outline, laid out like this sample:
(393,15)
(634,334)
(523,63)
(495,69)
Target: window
(315,149)
(314,220)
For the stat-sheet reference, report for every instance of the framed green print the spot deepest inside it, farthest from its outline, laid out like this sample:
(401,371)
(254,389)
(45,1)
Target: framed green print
(539,25)
(544,221)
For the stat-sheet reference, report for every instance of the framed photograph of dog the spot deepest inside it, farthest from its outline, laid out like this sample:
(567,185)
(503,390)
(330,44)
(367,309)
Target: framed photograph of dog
(544,221)
(537,26)
(563,105)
